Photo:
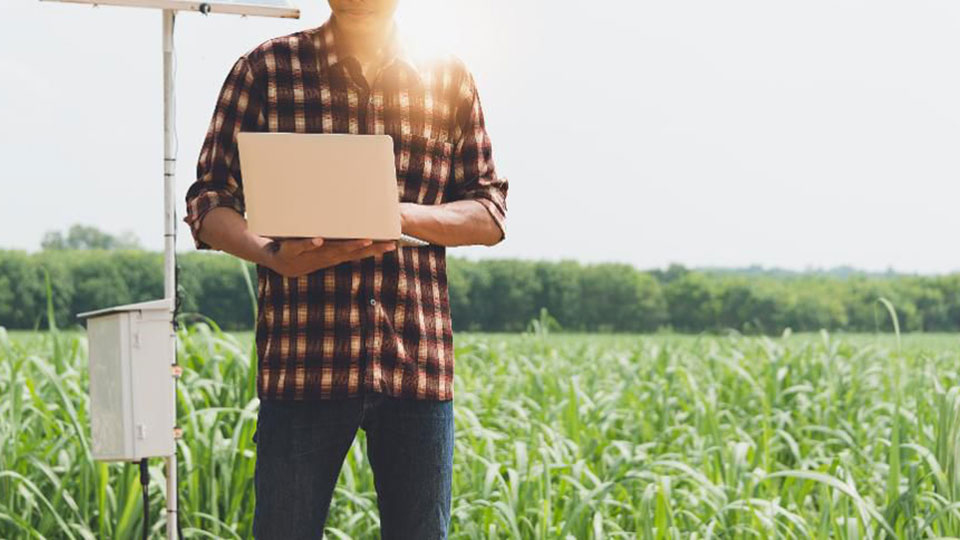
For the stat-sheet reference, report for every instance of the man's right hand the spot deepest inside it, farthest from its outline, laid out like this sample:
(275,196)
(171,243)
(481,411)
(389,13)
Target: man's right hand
(296,257)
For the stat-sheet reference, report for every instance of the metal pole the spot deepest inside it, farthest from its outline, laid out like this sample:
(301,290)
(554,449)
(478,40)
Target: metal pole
(169,236)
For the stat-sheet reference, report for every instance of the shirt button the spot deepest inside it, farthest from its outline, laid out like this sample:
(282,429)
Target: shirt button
(373,302)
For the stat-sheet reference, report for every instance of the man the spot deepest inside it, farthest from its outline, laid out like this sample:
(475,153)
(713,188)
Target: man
(354,334)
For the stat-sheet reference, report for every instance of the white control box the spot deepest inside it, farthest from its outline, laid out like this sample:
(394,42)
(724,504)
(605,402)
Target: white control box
(132,401)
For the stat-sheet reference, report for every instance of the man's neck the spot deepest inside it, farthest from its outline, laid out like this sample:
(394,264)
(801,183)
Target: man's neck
(365,46)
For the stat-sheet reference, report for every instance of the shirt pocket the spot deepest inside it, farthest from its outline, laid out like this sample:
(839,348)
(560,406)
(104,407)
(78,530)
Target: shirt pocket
(424,168)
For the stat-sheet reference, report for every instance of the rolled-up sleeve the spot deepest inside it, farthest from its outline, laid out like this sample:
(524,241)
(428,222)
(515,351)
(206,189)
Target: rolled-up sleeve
(474,174)
(239,108)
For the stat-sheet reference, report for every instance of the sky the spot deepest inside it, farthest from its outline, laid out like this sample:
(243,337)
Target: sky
(796,134)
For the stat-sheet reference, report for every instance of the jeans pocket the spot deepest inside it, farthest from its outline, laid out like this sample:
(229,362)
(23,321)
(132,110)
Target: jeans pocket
(421,408)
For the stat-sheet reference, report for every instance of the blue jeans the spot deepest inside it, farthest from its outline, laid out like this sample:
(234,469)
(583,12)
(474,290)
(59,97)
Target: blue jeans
(301,446)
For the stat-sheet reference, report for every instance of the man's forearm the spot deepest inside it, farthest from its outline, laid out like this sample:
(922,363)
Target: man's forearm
(456,223)
(224,229)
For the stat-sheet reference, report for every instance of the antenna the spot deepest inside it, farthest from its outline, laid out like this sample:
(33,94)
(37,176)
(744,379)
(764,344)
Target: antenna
(258,8)
(113,344)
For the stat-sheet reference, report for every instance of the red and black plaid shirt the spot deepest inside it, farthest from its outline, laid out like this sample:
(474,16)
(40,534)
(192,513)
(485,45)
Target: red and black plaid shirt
(380,324)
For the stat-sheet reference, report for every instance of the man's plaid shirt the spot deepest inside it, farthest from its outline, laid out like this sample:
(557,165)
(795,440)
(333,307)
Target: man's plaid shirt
(379,324)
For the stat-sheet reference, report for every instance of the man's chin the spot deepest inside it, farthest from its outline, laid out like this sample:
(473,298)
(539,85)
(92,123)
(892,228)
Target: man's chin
(358,22)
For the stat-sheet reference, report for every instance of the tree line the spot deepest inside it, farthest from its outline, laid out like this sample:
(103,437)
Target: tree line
(504,295)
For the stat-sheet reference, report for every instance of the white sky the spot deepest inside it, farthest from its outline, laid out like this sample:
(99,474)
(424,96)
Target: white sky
(792,134)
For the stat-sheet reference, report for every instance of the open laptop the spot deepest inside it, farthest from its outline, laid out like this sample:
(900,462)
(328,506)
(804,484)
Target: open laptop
(336,186)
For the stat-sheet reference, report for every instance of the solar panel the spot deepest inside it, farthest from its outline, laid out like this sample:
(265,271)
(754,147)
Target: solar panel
(259,8)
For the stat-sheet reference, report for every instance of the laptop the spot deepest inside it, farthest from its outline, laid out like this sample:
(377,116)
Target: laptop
(337,186)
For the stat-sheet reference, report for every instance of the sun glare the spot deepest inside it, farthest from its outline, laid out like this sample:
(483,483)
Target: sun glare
(427,27)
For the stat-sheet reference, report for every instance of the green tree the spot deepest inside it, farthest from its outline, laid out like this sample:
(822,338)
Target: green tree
(88,237)
(98,283)
(214,283)
(616,297)
(560,292)
(458,289)
(24,288)
(503,295)
(693,301)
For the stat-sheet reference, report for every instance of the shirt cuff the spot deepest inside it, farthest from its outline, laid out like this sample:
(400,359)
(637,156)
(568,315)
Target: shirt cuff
(198,207)
(493,201)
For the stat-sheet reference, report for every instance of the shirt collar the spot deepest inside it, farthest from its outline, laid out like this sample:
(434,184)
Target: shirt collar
(331,55)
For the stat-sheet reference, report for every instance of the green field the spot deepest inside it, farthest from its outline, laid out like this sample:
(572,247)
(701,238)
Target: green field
(557,436)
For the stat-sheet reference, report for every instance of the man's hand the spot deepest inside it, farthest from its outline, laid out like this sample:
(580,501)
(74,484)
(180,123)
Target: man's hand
(225,229)
(296,257)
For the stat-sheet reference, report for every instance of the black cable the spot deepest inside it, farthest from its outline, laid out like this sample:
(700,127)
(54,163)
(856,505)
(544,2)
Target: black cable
(178,291)
(176,393)
(179,528)
(178,296)
(177,304)
(145,485)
